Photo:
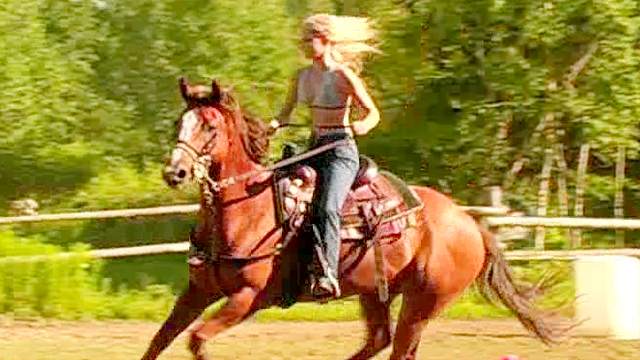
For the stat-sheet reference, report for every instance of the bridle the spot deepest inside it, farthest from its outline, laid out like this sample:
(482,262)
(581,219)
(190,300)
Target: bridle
(202,165)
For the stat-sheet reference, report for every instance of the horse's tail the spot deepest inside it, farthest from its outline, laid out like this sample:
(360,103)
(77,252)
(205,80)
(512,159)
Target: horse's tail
(496,280)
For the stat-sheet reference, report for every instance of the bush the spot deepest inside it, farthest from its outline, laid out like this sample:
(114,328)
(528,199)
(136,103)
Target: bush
(68,285)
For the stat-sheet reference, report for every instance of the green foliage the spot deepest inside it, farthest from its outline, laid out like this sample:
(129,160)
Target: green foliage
(90,88)
(489,72)
(463,87)
(121,185)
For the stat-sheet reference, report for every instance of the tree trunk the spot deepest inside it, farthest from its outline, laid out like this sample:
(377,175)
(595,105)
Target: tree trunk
(521,158)
(619,196)
(563,198)
(578,210)
(350,7)
(499,151)
(543,196)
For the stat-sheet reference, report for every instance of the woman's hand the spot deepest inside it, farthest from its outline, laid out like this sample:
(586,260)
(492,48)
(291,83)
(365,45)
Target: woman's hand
(273,126)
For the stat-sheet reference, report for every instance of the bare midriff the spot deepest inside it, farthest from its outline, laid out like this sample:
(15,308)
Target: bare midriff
(326,121)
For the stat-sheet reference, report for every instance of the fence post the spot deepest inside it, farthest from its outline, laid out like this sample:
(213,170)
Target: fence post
(495,196)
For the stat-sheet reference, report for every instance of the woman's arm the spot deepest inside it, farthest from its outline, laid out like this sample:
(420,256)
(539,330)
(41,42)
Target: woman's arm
(284,117)
(360,93)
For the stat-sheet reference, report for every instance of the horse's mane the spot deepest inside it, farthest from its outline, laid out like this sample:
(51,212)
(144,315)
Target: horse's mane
(252,130)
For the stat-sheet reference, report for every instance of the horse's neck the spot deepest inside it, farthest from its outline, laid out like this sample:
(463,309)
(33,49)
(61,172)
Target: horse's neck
(240,219)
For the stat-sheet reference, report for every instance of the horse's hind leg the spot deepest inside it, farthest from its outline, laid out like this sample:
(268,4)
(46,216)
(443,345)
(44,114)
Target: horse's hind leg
(378,326)
(415,312)
(187,308)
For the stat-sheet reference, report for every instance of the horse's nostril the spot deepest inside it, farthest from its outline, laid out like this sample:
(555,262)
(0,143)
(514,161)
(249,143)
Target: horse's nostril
(181,174)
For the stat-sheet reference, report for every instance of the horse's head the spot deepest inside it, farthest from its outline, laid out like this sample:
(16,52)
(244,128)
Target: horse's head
(202,132)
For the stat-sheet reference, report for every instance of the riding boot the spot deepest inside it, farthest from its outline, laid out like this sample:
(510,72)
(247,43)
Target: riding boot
(324,282)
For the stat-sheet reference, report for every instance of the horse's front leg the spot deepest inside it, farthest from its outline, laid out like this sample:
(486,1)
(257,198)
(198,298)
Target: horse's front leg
(238,307)
(187,308)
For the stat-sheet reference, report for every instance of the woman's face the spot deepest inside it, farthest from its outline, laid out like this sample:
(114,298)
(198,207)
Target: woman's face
(314,46)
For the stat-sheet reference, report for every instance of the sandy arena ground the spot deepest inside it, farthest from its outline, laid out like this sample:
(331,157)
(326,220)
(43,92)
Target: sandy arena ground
(443,339)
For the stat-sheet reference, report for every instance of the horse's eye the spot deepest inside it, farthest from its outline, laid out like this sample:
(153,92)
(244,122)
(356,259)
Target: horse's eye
(207,126)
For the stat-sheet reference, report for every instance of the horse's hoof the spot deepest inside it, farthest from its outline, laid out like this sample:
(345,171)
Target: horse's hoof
(196,346)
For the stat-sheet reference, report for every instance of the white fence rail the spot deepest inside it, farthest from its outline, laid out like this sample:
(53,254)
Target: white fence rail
(564,222)
(182,247)
(491,214)
(491,218)
(173,210)
(113,253)
(105,214)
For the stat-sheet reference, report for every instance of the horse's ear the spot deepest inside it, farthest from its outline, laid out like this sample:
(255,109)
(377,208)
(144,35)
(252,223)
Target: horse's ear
(184,88)
(216,93)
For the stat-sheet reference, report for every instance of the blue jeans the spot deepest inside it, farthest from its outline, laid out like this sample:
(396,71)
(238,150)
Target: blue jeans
(336,169)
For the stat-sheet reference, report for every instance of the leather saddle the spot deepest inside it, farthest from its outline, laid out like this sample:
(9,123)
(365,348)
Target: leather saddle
(374,205)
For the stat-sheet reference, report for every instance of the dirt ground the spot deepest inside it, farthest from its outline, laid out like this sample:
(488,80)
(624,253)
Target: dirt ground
(443,339)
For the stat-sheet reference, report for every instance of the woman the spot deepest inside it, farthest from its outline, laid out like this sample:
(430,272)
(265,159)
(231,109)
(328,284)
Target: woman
(330,86)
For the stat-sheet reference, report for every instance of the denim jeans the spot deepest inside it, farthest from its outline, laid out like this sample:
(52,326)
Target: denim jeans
(336,170)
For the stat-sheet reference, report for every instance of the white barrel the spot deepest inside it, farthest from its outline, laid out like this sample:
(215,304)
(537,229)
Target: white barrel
(608,296)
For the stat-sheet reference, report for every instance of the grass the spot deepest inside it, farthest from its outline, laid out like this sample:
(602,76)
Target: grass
(145,288)
(470,306)
(467,307)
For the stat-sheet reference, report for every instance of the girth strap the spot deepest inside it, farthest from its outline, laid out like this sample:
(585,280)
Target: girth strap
(374,219)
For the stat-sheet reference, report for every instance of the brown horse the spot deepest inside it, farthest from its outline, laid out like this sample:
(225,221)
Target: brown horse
(430,265)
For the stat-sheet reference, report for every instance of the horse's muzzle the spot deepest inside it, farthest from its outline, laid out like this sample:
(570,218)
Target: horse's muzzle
(174,176)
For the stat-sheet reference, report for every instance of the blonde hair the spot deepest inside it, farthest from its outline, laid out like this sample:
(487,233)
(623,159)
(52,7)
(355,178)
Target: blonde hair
(351,38)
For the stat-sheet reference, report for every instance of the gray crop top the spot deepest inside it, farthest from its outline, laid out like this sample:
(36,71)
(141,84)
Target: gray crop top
(329,95)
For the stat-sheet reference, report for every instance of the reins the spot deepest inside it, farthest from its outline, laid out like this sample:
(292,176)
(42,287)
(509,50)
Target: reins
(203,162)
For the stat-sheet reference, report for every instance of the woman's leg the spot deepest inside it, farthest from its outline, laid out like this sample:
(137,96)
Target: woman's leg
(337,170)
